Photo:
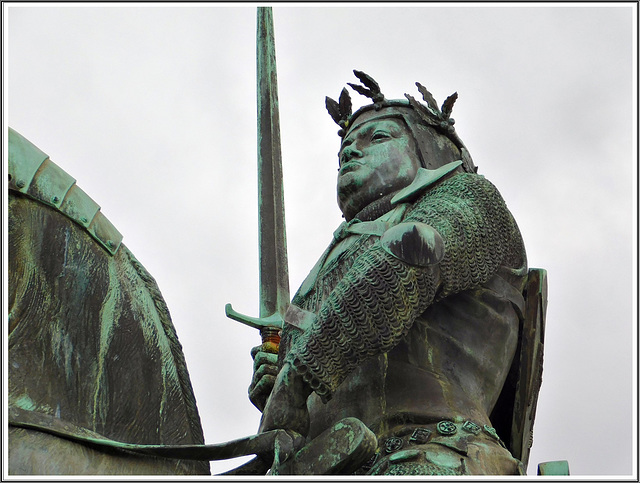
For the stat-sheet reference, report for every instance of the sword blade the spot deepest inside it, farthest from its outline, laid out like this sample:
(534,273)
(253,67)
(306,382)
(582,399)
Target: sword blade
(274,272)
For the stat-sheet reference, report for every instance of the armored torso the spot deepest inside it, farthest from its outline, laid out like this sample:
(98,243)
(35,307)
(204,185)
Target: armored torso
(450,363)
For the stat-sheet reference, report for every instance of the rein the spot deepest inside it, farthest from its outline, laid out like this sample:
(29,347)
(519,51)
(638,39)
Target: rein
(262,443)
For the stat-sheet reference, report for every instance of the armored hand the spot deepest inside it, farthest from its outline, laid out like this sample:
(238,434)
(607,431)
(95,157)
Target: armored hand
(287,406)
(265,370)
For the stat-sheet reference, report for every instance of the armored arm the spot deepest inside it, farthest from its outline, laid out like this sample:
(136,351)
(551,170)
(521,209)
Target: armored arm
(381,295)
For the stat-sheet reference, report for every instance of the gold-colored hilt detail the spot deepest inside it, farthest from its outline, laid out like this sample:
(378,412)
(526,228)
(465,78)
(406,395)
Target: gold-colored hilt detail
(270,327)
(270,339)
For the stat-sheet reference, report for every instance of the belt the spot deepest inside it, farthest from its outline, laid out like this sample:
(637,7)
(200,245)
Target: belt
(446,432)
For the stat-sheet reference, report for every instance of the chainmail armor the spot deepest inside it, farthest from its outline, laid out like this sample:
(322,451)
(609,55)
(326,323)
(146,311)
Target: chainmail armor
(418,469)
(367,300)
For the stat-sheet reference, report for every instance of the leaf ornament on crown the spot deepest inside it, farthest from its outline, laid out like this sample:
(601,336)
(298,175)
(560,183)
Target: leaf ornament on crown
(371,88)
(340,112)
(438,118)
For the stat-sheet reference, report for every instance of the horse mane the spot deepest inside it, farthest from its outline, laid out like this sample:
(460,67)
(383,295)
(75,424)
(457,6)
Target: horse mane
(174,344)
(30,172)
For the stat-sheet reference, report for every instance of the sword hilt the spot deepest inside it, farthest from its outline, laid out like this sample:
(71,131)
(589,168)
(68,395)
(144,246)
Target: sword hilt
(269,327)
(270,339)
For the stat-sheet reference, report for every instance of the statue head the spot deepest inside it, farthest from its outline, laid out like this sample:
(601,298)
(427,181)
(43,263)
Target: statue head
(384,143)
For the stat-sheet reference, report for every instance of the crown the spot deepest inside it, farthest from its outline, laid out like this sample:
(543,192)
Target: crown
(428,112)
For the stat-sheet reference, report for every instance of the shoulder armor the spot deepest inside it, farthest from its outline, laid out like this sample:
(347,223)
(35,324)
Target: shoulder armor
(424,178)
(33,174)
(414,243)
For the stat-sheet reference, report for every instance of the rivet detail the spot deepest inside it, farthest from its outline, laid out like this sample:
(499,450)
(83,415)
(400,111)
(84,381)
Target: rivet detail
(471,427)
(420,436)
(446,428)
(393,444)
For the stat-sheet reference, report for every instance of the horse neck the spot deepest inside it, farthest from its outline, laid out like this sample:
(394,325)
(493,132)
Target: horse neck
(92,341)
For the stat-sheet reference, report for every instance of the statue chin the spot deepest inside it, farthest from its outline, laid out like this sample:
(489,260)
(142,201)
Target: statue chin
(351,208)
(355,199)
(353,196)
(348,212)
(349,201)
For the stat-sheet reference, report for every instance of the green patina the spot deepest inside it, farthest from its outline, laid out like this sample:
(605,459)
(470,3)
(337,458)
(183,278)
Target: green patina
(25,402)
(417,277)
(108,320)
(554,468)
(151,325)
(421,310)
(62,348)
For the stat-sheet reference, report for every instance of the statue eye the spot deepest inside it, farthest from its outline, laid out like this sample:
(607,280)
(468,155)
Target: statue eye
(380,135)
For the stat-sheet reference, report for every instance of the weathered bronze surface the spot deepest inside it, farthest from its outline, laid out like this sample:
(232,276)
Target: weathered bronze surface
(421,319)
(414,346)
(274,271)
(50,426)
(554,468)
(91,342)
(98,383)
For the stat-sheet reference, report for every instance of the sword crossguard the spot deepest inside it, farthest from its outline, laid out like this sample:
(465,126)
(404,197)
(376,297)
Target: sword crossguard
(269,327)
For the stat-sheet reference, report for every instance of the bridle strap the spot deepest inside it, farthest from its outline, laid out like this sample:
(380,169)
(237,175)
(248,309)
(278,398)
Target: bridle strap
(262,443)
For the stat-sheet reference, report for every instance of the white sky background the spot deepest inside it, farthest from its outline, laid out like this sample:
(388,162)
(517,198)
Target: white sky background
(153,111)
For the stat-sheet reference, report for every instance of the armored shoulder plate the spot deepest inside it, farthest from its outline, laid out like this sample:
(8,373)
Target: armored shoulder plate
(415,243)
(424,178)
(33,174)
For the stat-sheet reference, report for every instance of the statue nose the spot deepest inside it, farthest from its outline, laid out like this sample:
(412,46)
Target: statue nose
(349,153)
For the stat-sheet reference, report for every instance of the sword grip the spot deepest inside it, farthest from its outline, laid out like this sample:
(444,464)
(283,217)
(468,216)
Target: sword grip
(269,327)
(270,339)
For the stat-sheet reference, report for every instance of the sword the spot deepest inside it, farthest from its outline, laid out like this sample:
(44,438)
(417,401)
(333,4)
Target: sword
(274,272)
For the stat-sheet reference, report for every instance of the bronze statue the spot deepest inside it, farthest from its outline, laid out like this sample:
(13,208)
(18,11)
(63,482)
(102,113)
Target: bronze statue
(410,320)
(92,348)
(98,383)
(414,346)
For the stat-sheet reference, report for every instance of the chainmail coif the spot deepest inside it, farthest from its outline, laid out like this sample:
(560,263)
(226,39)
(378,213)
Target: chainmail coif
(372,304)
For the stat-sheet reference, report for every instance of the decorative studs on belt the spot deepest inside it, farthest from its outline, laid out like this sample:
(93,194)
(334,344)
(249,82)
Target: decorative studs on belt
(393,444)
(446,428)
(471,427)
(420,436)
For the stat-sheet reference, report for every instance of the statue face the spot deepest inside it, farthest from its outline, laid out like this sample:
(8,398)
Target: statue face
(376,159)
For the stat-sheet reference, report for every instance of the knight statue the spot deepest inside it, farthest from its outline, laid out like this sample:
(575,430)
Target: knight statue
(421,319)
(413,347)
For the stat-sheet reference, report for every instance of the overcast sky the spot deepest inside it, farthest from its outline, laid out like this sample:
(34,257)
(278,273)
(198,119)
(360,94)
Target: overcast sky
(153,111)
